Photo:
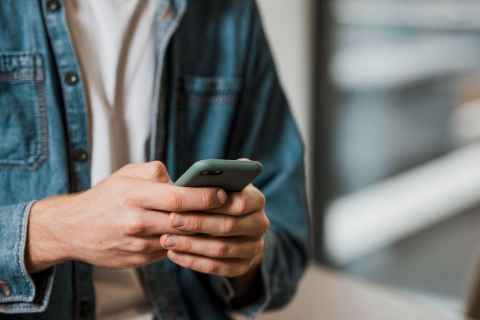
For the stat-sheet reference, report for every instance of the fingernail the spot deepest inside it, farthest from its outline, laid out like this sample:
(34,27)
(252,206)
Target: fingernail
(221,196)
(171,242)
(174,256)
(179,221)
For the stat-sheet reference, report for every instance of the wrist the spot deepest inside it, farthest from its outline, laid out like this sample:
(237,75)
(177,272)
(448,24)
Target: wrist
(44,248)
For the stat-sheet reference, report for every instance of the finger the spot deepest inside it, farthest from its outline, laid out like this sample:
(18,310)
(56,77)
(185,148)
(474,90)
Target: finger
(153,171)
(156,256)
(223,267)
(239,203)
(253,225)
(148,223)
(212,247)
(165,197)
(142,245)
(137,260)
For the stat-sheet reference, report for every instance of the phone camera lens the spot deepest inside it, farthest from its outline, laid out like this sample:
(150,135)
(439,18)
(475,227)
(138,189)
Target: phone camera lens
(211,173)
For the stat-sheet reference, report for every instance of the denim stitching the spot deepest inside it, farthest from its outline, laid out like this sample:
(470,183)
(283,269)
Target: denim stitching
(213,99)
(19,254)
(21,247)
(43,290)
(212,90)
(13,308)
(12,60)
(233,81)
(48,286)
(4,55)
(42,115)
(221,88)
(20,76)
(13,296)
(41,145)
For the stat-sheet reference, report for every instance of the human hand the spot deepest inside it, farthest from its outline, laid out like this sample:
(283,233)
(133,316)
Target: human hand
(115,224)
(227,240)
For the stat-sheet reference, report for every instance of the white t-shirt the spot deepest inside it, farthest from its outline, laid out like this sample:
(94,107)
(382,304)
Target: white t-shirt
(115,47)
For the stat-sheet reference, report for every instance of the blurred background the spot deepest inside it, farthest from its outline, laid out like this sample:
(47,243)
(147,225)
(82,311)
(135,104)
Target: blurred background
(387,97)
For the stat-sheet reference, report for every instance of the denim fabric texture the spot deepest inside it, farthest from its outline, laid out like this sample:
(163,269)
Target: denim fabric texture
(217,97)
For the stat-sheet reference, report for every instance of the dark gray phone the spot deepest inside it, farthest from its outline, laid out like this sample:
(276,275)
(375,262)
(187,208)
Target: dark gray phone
(230,175)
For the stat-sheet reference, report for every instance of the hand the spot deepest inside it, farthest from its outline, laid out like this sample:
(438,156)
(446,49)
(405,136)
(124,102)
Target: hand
(227,240)
(116,224)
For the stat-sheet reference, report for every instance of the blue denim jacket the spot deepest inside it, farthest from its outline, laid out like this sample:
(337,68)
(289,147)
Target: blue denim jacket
(218,96)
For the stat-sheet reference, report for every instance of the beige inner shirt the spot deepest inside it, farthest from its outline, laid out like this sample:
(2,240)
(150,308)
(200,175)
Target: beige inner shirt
(114,44)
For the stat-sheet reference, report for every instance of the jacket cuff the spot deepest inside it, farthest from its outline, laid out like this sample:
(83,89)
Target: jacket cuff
(19,291)
(224,290)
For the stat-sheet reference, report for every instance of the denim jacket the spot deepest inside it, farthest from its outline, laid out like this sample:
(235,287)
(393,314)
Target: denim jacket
(217,96)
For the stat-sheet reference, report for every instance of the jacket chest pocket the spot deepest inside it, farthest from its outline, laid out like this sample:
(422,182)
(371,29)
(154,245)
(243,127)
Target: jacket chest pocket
(23,123)
(206,108)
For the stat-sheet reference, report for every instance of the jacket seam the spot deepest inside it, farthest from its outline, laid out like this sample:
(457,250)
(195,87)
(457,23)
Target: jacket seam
(21,247)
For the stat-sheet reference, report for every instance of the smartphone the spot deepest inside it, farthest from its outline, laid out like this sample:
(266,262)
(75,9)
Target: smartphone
(230,175)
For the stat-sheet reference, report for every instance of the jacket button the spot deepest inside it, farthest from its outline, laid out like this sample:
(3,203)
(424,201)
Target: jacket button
(71,78)
(85,309)
(80,155)
(52,5)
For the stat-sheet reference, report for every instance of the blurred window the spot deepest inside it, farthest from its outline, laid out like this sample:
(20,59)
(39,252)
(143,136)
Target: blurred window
(407,77)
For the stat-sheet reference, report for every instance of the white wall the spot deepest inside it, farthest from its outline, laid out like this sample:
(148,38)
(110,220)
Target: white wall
(288,24)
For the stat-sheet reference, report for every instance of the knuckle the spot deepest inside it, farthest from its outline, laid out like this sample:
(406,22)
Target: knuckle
(221,250)
(241,206)
(263,200)
(134,226)
(206,197)
(123,191)
(210,268)
(266,224)
(228,226)
(176,201)
(186,262)
(195,224)
(157,169)
(243,268)
(186,245)
(258,248)
(129,199)
(140,246)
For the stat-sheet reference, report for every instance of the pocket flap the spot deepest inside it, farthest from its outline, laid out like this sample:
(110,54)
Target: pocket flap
(209,91)
(21,66)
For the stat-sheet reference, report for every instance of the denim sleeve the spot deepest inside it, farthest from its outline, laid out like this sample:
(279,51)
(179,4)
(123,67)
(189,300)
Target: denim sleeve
(19,291)
(265,131)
